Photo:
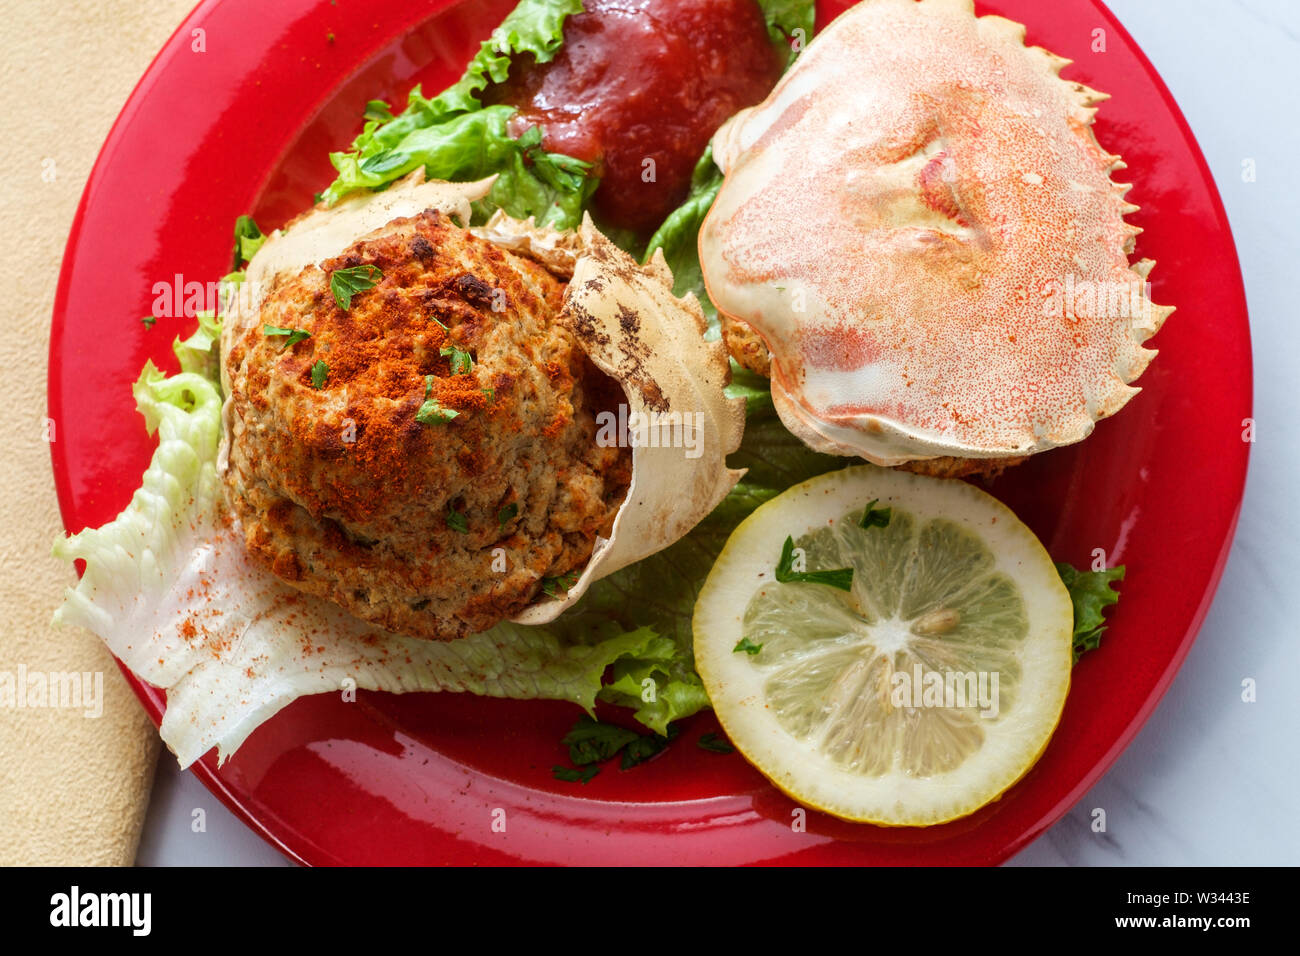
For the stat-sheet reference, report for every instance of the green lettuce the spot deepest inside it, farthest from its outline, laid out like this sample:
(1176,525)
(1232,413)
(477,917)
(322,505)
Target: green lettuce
(784,17)
(1091,593)
(677,238)
(456,138)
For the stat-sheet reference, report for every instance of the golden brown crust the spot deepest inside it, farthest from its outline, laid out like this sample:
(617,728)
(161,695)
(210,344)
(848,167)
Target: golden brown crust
(986,468)
(745,345)
(344,494)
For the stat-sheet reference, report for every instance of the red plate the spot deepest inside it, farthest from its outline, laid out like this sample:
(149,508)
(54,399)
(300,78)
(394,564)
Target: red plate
(241,116)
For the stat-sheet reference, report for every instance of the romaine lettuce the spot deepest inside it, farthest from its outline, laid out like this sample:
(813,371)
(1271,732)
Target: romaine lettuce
(456,138)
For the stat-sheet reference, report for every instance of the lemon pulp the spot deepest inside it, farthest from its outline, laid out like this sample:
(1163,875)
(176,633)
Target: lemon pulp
(918,695)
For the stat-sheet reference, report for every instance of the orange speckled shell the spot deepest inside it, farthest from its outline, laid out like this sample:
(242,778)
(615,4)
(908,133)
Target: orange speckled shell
(922,227)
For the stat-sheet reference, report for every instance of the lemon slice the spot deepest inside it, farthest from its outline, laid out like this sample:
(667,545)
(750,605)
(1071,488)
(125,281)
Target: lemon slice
(922,692)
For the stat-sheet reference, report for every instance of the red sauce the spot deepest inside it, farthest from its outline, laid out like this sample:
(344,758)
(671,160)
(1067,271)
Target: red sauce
(640,80)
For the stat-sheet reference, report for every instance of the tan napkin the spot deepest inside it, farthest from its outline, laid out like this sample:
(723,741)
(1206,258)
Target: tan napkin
(73,789)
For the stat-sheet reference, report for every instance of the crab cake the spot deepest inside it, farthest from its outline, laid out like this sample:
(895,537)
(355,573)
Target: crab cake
(427,456)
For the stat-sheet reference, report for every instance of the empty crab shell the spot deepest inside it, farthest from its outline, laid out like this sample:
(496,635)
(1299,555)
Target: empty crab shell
(922,228)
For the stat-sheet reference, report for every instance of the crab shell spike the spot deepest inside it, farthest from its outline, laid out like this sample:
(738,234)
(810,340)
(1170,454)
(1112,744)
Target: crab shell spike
(913,277)
(1056,63)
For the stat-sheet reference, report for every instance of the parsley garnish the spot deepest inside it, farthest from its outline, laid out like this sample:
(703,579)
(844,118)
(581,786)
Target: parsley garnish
(319,372)
(644,747)
(590,741)
(506,514)
(345,283)
(490,393)
(574,775)
(457,521)
(714,743)
(873,517)
(294,335)
(748,646)
(148,321)
(841,578)
(461,362)
(432,412)
(558,587)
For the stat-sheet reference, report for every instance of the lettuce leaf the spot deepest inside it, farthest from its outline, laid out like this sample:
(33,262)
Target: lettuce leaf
(456,138)
(784,17)
(1091,593)
(679,235)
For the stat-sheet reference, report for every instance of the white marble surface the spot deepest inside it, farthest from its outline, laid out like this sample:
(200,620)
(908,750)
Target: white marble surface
(1210,779)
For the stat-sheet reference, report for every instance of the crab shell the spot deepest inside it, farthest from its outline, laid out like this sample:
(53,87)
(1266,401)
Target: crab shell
(624,316)
(921,226)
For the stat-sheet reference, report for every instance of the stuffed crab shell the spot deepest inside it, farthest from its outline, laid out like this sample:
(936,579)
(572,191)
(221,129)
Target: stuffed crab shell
(440,428)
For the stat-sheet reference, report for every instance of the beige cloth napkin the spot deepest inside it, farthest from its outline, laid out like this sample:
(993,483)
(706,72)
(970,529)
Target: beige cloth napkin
(73,789)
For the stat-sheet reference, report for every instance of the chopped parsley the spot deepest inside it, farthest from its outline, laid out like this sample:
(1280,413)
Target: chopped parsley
(507,514)
(490,394)
(873,517)
(432,412)
(841,578)
(748,646)
(591,742)
(458,521)
(558,587)
(573,774)
(345,283)
(715,743)
(644,747)
(461,362)
(319,372)
(148,321)
(294,335)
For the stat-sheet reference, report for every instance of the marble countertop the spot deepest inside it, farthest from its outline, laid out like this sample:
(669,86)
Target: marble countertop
(1210,779)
